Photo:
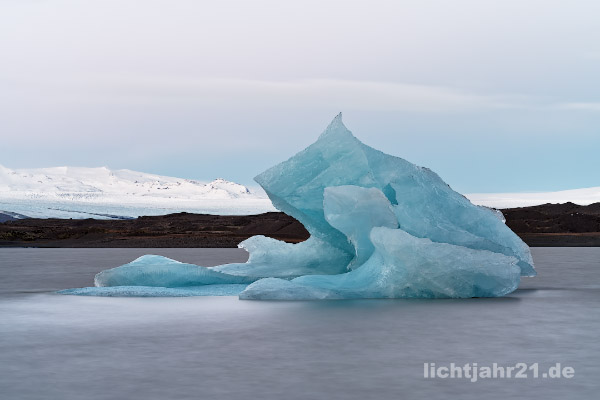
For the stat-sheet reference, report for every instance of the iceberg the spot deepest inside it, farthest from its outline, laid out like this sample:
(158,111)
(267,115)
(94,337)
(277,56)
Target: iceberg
(380,226)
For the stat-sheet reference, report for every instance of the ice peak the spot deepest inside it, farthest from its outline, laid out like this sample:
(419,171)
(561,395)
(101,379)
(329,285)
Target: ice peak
(337,127)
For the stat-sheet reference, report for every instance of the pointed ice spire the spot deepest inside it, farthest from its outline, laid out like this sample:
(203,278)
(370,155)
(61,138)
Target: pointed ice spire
(336,126)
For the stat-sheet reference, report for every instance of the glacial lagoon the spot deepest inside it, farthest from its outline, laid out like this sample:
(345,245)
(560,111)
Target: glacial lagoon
(54,346)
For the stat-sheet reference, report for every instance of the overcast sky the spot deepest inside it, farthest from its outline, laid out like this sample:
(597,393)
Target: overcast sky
(492,95)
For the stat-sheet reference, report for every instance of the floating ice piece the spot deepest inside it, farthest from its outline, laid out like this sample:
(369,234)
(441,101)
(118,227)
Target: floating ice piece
(154,291)
(380,227)
(158,271)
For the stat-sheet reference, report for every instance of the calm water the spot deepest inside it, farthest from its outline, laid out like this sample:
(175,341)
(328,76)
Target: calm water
(67,347)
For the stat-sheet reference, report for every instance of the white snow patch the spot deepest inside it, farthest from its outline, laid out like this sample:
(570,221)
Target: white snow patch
(75,192)
(508,200)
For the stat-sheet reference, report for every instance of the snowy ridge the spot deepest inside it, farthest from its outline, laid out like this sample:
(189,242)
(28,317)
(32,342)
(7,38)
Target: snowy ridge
(583,196)
(77,192)
(76,182)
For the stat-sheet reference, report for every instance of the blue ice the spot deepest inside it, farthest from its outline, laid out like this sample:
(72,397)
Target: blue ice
(380,227)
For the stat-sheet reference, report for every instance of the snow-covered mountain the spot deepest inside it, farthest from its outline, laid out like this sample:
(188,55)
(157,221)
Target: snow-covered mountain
(74,192)
(583,196)
(93,182)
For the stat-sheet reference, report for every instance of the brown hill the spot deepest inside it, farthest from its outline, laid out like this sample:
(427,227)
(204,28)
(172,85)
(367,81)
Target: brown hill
(545,225)
(565,224)
(173,230)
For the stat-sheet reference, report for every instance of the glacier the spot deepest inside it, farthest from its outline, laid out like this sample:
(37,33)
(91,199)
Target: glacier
(102,193)
(380,226)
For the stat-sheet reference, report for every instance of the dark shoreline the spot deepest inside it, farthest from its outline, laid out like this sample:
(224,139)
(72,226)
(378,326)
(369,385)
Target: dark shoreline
(556,225)
(548,225)
(181,230)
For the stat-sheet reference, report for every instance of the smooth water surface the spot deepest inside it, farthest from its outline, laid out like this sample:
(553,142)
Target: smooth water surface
(71,347)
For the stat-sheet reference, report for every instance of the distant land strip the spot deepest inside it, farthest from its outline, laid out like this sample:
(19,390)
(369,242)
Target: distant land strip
(548,225)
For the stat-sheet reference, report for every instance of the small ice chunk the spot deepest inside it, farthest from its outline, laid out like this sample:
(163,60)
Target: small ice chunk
(158,271)
(154,291)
